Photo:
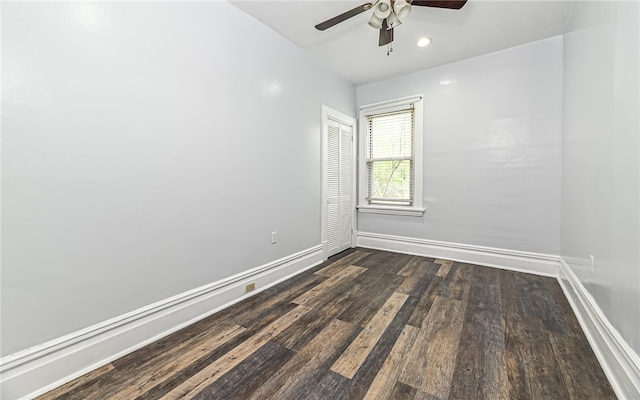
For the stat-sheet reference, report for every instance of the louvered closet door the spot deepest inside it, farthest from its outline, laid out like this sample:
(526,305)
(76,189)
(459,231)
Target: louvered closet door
(339,186)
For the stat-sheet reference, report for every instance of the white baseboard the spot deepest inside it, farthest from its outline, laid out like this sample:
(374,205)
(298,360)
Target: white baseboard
(533,263)
(35,371)
(618,360)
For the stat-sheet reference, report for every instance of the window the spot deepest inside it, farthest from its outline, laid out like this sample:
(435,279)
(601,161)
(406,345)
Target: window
(390,174)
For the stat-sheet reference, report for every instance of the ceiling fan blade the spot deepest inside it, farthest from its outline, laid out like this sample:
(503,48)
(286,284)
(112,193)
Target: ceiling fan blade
(453,4)
(343,17)
(386,34)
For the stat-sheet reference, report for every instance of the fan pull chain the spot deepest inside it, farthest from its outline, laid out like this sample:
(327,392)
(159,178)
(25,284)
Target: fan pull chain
(389,48)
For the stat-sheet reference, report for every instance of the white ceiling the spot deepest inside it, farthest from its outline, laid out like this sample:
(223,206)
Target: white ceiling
(351,48)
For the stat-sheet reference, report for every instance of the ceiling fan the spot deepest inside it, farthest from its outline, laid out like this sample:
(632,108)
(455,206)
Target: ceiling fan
(387,14)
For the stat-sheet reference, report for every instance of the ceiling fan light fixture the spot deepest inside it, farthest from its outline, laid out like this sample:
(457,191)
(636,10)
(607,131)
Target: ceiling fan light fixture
(382,9)
(375,22)
(401,8)
(423,42)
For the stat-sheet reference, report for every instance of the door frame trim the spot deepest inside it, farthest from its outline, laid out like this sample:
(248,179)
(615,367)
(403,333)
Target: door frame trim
(327,113)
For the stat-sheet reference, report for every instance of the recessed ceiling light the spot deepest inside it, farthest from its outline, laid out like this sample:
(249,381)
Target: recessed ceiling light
(423,42)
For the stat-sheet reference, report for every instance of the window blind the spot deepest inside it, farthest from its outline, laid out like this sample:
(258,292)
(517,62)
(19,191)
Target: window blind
(390,162)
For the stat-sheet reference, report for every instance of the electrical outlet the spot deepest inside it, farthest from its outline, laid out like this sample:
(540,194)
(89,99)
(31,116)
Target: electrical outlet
(274,237)
(250,287)
(593,264)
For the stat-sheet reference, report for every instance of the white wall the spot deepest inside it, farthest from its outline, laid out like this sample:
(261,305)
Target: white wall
(148,149)
(491,146)
(601,169)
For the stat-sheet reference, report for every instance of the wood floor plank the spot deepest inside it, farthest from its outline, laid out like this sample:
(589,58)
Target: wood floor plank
(330,386)
(310,298)
(194,331)
(573,358)
(290,381)
(255,314)
(416,283)
(340,296)
(356,387)
(366,374)
(351,259)
(463,281)
(78,383)
(266,317)
(444,269)
(554,291)
(195,384)
(244,379)
(515,364)
(385,262)
(337,387)
(530,349)
(366,306)
(351,360)
(481,368)
(453,275)
(310,324)
(383,384)
(154,371)
(411,267)
(426,301)
(531,368)
(426,396)
(415,360)
(430,362)
(444,336)
(403,392)
(157,369)
(573,354)
(539,305)
(244,313)
(307,327)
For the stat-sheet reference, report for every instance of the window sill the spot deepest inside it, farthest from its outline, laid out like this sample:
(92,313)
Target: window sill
(392,210)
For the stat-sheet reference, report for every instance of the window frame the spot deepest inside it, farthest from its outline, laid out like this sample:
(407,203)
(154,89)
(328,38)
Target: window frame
(416,208)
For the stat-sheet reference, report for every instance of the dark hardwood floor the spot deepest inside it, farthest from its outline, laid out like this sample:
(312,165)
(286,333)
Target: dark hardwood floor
(374,325)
